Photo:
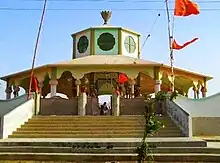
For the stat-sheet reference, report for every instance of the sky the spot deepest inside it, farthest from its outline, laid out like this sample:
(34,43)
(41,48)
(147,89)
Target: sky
(19,24)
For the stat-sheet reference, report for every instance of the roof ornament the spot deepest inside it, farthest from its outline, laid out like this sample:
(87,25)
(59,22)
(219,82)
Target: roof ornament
(106,15)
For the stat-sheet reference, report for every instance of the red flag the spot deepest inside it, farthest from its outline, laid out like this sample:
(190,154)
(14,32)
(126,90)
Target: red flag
(185,8)
(122,78)
(178,47)
(34,85)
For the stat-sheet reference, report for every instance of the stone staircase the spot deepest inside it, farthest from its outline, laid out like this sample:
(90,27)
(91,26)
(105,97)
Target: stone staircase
(62,150)
(74,139)
(91,127)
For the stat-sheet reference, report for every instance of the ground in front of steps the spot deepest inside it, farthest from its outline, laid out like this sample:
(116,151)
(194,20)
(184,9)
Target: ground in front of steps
(7,161)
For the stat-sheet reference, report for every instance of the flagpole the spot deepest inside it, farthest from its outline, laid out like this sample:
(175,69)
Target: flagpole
(172,55)
(36,46)
(170,45)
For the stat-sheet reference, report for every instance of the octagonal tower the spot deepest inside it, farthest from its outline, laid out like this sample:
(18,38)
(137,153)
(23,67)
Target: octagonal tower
(106,40)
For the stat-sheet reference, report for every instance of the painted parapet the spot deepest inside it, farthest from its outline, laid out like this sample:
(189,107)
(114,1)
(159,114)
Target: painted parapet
(204,113)
(16,112)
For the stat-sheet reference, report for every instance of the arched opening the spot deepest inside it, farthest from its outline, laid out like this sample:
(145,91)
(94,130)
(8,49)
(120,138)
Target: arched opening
(107,98)
(66,84)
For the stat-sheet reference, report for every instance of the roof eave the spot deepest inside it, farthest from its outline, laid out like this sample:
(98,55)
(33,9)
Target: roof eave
(190,72)
(106,65)
(5,78)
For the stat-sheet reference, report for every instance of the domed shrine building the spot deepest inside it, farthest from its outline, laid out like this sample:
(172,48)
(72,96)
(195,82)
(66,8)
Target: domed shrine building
(106,60)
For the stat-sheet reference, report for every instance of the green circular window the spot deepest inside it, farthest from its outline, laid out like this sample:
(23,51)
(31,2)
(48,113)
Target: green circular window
(106,41)
(130,44)
(82,44)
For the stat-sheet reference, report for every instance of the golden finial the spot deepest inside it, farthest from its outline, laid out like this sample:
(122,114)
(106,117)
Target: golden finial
(106,15)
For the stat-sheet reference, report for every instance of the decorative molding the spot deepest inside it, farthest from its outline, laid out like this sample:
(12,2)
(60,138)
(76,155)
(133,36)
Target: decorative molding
(74,46)
(139,48)
(120,42)
(53,82)
(92,42)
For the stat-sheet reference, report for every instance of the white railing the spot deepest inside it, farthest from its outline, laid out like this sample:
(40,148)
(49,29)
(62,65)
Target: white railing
(180,117)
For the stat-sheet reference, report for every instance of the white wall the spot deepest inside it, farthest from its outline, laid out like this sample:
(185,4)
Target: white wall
(15,118)
(8,105)
(204,107)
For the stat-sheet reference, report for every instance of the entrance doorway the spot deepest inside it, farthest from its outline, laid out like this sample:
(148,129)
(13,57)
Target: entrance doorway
(108,99)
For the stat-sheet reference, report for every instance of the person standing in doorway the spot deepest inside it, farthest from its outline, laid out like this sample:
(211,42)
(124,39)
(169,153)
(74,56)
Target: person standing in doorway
(103,109)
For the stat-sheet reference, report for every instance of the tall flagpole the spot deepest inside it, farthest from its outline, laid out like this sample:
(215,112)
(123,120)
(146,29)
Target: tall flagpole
(36,46)
(170,45)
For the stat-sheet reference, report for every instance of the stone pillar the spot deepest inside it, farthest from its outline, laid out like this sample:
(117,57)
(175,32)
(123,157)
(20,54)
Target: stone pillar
(132,83)
(194,92)
(37,103)
(116,103)
(203,90)
(197,91)
(123,90)
(8,92)
(82,103)
(53,87)
(157,86)
(40,85)
(171,79)
(16,90)
(77,82)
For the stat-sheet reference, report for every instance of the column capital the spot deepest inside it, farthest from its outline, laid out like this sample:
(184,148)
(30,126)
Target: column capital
(203,89)
(16,88)
(53,82)
(85,80)
(157,86)
(77,82)
(41,84)
(171,77)
(158,82)
(194,88)
(131,81)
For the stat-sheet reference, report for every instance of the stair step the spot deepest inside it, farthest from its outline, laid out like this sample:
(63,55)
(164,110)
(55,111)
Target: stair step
(27,128)
(104,142)
(92,131)
(81,125)
(108,157)
(91,126)
(82,122)
(95,118)
(78,129)
(80,132)
(75,136)
(42,149)
(127,135)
